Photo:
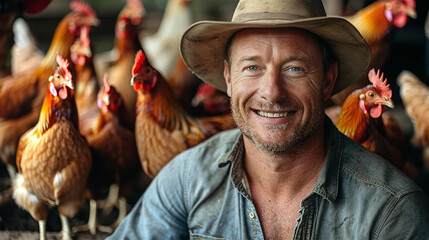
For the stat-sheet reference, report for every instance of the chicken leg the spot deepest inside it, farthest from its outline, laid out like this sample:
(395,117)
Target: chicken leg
(122,202)
(111,199)
(42,229)
(92,226)
(65,228)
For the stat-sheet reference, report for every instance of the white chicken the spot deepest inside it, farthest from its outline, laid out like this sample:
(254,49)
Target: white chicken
(162,47)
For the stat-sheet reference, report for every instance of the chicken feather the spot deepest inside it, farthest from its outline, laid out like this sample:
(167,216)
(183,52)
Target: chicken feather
(415,98)
(53,159)
(163,127)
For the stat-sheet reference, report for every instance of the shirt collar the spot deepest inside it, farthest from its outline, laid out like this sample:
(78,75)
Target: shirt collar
(235,156)
(328,180)
(235,153)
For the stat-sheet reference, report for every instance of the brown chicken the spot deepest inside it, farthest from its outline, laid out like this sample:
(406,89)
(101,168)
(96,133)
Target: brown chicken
(415,98)
(184,85)
(86,82)
(86,79)
(376,23)
(115,157)
(163,127)
(21,96)
(16,100)
(53,159)
(125,46)
(361,120)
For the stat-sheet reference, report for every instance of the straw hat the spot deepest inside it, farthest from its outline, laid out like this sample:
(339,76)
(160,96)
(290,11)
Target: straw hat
(203,44)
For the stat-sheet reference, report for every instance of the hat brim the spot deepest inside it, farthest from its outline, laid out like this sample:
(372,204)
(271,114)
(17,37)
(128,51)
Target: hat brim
(203,46)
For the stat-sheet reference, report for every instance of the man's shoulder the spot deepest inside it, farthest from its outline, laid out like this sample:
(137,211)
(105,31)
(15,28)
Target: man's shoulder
(210,151)
(371,170)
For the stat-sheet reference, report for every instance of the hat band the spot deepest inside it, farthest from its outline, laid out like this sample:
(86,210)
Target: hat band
(264,16)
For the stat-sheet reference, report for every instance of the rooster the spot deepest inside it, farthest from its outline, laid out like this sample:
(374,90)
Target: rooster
(375,23)
(163,128)
(361,120)
(21,96)
(53,159)
(125,46)
(415,98)
(115,157)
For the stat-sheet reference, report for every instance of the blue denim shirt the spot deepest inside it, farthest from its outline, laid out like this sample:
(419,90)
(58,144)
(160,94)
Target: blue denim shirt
(201,194)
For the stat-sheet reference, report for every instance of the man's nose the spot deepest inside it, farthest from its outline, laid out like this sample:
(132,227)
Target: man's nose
(272,87)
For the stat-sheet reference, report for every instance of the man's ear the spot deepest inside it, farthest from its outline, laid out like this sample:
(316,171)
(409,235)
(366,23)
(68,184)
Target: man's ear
(227,77)
(330,78)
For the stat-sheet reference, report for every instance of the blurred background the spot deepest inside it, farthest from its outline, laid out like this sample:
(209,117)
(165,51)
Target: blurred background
(409,45)
(408,50)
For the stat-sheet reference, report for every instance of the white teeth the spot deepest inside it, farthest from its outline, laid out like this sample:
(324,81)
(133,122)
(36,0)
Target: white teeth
(272,115)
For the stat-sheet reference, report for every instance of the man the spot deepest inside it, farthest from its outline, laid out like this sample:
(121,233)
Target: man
(287,173)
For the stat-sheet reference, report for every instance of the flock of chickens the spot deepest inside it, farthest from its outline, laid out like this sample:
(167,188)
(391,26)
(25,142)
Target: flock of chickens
(75,136)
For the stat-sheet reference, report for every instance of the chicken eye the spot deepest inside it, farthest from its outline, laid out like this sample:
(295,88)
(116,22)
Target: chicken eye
(388,6)
(371,94)
(148,71)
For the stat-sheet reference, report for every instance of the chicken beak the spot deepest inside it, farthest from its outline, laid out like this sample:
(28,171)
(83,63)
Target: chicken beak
(411,13)
(93,21)
(69,84)
(87,52)
(132,81)
(106,100)
(388,103)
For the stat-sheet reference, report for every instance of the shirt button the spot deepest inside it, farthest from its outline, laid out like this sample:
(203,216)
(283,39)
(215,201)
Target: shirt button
(251,215)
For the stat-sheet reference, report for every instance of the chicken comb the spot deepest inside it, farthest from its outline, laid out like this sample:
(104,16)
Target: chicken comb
(206,89)
(84,36)
(138,61)
(64,67)
(134,10)
(82,7)
(137,5)
(106,83)
(380,84)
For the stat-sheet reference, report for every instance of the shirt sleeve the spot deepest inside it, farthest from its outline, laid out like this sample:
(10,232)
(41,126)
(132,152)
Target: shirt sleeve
(160,213)
(409,219)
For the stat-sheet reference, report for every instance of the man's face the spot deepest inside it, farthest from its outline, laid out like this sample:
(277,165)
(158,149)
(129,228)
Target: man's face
(277,87)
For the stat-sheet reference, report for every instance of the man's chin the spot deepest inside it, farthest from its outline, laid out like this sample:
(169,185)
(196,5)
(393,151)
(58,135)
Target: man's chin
(270,146)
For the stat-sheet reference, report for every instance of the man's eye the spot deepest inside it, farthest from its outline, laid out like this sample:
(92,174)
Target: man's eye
(252,68)
(294,69)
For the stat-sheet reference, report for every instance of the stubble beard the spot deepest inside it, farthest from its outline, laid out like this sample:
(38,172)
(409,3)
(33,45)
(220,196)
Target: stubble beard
(289,145)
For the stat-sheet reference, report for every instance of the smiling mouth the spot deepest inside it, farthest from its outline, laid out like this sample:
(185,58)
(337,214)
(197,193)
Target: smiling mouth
(274,115)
